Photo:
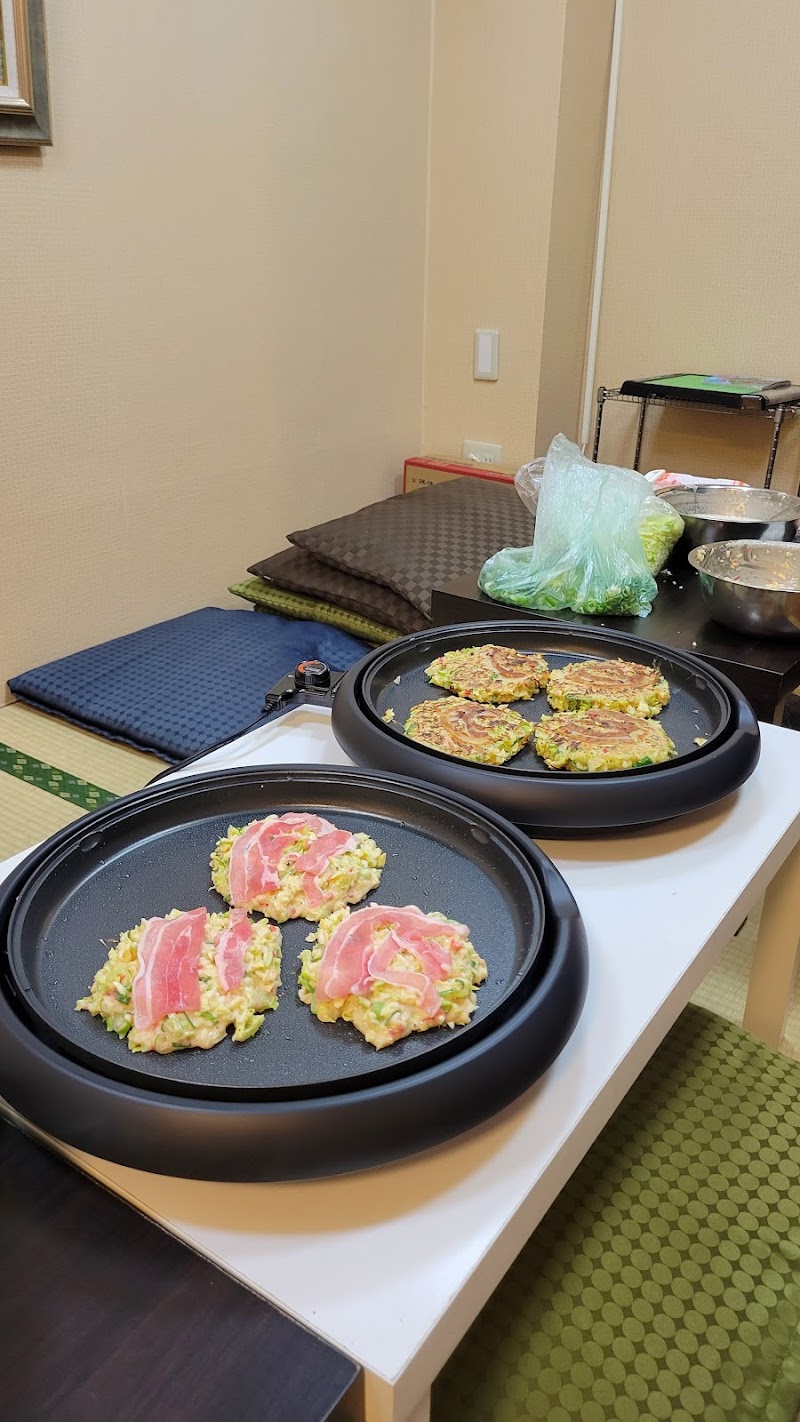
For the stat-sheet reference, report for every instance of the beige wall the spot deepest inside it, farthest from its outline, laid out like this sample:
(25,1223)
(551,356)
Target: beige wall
(704,236)
(217,320)
(704,232)
(494,122)
(582,109)
(211,290)
(517,118)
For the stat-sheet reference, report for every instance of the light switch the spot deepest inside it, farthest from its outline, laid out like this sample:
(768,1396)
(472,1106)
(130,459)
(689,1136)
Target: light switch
(486,351)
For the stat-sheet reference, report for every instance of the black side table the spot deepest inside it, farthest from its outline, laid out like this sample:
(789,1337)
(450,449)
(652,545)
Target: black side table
(775,413)
(765,671)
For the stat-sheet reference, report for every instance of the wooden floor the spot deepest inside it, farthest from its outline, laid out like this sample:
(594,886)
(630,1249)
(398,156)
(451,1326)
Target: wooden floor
(34,803)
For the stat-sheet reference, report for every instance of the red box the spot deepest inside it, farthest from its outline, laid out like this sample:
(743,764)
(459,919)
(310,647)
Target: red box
(423,470)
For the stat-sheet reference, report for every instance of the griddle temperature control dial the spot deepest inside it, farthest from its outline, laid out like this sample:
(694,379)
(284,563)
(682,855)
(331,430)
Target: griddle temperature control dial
(312,676)
(311,683)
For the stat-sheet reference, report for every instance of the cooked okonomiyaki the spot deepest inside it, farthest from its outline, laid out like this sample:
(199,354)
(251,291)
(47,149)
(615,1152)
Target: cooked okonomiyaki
(600,740)
(489,735)
(612,685)
(490,673)
(391,972)
(295,866)
(183,980)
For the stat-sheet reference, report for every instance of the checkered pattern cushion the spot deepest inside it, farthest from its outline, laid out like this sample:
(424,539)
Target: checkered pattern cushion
(300,572)
(415,542)
(664,1283)
(182,684)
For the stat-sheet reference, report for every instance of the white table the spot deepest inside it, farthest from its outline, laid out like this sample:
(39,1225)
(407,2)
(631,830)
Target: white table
(658,905)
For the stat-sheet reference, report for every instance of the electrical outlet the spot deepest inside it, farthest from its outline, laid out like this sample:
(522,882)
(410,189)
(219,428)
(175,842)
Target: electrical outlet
(475,451)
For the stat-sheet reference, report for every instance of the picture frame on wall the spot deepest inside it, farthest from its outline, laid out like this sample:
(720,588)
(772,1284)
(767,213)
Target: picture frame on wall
(24,95)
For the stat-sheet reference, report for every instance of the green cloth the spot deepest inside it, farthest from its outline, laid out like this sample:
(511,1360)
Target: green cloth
(311,609)
(56,782)
(664,1283)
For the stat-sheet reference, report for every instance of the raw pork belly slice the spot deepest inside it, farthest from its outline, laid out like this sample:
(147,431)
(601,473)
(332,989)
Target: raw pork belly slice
(294,866)
(183,980)
(231,950)
(167,978)
(351,961)
(257,853)
(391,971)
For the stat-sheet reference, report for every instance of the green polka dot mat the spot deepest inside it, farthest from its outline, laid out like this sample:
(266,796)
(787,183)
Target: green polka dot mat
(56,782)
(664,1283)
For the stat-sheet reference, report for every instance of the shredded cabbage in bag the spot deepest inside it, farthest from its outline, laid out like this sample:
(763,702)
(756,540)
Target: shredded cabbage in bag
(660,527)
(600,536)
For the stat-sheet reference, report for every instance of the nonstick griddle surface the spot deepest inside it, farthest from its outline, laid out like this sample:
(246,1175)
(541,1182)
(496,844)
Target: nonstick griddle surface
(697,710)
(145,860)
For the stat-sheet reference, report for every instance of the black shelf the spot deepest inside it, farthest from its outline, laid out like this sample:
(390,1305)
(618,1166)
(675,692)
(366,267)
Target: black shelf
(775,413)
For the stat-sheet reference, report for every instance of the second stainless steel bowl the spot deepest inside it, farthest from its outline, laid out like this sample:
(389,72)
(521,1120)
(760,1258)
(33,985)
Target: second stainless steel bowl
(715,515)
(752,587)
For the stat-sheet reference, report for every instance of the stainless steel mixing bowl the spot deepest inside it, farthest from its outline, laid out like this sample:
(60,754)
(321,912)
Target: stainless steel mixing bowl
(752,587)
(713,515)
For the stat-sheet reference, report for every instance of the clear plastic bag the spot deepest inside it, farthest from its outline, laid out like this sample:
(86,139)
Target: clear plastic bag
(528,481)
(600,535)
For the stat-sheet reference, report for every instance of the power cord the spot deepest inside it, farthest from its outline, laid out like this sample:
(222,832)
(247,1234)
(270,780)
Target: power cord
(311,682)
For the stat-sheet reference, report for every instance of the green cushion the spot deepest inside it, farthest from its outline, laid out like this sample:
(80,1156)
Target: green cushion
(311,609)
(300,572)
(664,1283)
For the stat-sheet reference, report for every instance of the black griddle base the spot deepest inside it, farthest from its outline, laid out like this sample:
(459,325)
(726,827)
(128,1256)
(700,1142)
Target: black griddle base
(424,1100)
(545,802)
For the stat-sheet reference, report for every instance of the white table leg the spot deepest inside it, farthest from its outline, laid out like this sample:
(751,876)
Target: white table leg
(391,1409)
(373,1400)
(772,975)
(421,1413)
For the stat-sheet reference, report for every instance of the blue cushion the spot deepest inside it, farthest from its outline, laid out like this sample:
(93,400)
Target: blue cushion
(180,685)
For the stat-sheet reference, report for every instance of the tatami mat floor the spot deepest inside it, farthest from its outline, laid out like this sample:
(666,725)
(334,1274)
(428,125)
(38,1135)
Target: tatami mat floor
(117,767)
(61,771)
(724,989)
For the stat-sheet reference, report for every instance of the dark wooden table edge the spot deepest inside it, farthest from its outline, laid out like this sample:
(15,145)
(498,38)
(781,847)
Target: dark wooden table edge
(181,1270)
